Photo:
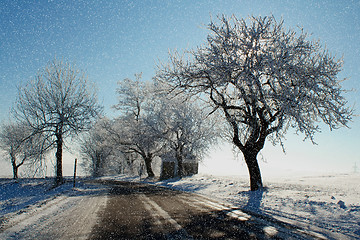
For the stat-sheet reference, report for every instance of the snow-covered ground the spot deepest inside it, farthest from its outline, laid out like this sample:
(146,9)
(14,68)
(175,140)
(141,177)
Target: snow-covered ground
(32,206)
(311,202)
(329,202)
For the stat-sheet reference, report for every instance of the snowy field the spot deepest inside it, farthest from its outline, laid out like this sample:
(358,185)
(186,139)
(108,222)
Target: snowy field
(315,202)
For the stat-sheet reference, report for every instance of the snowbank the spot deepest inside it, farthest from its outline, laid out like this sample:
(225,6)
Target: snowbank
(17,195)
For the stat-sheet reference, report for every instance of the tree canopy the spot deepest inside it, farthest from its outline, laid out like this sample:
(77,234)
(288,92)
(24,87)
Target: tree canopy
(59,102)
(264,78)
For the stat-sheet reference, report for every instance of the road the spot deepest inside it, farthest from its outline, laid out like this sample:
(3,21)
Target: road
(141,211)
(128,210)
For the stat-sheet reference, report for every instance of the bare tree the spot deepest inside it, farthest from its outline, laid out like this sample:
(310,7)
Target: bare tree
(58,103)
(101,152)
(134,130)
(96,149)
(188,130)
(134,96)
(139,138)
(265,79)
(154,124)
(21,145)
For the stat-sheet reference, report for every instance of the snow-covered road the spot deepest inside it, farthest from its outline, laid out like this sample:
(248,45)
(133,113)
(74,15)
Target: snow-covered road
(112,208)
(143,211)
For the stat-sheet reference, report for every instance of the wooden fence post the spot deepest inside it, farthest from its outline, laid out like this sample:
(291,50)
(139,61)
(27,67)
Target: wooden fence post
(75,171)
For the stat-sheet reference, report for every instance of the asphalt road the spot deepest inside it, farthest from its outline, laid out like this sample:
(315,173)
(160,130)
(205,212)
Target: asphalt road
(142,211)
(105,209)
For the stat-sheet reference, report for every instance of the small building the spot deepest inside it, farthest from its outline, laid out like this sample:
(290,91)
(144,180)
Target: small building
(169,168)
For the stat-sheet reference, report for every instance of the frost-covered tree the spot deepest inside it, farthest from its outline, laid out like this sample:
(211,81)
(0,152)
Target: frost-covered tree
(96,149)
(134,96)
(105,150)
(137,137)
(134,130)
(21,145)
(264,78)
(59,102)
(188,130)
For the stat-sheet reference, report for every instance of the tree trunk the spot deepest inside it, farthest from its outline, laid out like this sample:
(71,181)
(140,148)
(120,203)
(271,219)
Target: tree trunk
(254,170)
(15,167)
(97,165)
(149,170)
(15,171)
(180,166)
(59,147)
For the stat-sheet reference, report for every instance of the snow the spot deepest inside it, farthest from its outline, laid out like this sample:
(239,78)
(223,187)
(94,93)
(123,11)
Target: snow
(329,202)
(30,207)
(17,195)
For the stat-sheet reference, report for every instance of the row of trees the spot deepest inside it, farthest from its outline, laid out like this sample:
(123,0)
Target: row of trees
(61,104)
(259,77)
(151,125)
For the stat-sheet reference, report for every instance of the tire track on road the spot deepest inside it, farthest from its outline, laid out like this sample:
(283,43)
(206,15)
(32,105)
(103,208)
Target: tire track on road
(178,232)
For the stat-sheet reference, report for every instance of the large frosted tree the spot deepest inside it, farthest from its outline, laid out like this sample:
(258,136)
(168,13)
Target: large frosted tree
(264,78)
(59,102)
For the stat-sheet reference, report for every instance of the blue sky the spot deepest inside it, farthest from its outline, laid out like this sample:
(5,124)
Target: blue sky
(113,40)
